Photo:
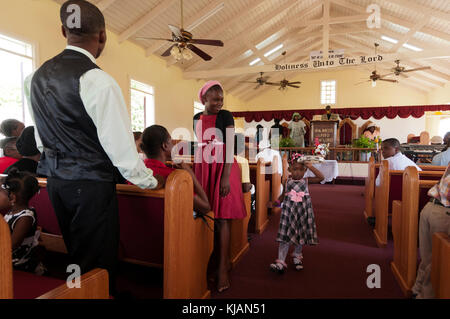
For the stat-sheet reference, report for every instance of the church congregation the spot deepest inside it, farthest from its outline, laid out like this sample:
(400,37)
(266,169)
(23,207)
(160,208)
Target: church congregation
(192,183)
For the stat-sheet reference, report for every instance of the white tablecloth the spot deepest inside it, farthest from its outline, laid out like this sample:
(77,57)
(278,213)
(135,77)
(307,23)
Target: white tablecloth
(329,169)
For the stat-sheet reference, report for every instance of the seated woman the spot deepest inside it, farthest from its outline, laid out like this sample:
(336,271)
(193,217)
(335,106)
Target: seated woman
(157,146)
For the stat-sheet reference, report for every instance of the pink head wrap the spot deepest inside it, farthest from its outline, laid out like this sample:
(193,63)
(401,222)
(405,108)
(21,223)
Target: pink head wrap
(205,89)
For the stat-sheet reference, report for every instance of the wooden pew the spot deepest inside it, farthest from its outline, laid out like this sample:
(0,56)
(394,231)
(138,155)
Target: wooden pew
(239,241)
(405,224)
(93,285)
(440,265)
(263,187)
(390,189)
(369,190)
(157,228)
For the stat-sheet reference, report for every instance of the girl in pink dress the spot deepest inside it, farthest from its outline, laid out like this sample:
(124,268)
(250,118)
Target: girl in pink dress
(217,170)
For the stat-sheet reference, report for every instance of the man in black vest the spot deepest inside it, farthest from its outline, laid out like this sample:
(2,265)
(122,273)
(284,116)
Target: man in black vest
(83,128)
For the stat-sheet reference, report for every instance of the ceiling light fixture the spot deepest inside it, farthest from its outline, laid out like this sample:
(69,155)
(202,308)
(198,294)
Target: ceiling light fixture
(388,39)
(254,61)
(412,47)
(273,50)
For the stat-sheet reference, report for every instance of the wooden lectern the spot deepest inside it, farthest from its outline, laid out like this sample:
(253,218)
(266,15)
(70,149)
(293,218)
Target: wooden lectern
(326,131)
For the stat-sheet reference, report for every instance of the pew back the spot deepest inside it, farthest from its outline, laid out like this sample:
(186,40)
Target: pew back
(440,265)
(157,228)
(390,189)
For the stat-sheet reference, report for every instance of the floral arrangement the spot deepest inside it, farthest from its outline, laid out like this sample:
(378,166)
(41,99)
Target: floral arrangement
(321,150)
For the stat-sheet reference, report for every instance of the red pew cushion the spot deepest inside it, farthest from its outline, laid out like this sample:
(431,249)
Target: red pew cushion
(30,286)
(142,228)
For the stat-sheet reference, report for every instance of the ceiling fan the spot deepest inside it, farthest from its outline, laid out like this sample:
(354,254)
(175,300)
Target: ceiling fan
(260,81)
(184,43)
(284,84)
(374,76)
(399,70)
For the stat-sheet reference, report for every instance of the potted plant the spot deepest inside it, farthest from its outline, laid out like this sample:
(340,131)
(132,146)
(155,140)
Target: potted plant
(364,142)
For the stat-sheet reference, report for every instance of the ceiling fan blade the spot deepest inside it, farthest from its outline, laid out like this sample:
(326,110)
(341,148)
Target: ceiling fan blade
(216,43)
(385,75)
(175,30)
(145,38)
(205,56)
(271,83)
(419,69)
(388,80)
(298,82)
(363,82)
(294,86)
(167,52)
(253,82)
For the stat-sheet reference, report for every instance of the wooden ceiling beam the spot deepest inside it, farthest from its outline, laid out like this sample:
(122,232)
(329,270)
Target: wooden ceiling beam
(146,19)
(104,4)
(408,24)
(243,36)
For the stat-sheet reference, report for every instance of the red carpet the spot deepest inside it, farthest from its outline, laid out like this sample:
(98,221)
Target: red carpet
(336,268)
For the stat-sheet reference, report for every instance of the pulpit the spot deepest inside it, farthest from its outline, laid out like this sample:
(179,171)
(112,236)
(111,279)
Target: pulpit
(326,132)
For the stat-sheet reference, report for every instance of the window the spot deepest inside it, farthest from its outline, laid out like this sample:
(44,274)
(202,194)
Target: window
(16,63)
(198,107)
(328,92)
(444,126)
(142,106)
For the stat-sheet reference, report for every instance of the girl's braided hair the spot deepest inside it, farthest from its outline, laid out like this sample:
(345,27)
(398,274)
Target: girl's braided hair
(23,184)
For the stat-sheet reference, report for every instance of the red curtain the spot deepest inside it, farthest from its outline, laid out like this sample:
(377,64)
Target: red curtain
(352,113)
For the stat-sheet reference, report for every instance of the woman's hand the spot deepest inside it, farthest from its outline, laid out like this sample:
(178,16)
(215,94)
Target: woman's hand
(224,186)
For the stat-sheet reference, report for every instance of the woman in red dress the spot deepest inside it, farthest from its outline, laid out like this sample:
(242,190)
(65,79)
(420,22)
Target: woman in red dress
(217,170)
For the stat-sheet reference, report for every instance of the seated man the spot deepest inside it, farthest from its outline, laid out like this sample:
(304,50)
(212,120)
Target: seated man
(434,218)
(443,158)
(390,149)
(26,145)
(11,154)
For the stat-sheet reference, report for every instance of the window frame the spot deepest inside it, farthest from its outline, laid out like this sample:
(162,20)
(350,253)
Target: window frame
(335,92)
(130,89)
(34,62)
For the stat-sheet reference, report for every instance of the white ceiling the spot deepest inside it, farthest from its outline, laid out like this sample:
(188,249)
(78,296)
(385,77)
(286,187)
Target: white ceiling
(243,24)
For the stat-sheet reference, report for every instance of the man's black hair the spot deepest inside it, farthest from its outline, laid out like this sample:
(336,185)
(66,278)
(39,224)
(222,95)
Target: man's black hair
(8,126)
(153,138)
(393,142)
(91,18)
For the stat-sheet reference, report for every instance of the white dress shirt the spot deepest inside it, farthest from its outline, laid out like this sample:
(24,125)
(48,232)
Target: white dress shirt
(105,105)
(267,155)
(442,159)
(398,162)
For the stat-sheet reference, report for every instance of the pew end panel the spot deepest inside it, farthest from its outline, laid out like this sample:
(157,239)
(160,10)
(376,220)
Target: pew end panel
(239,244)
(93,285)
(262,198)
(404,230)
(369,189)
(275,184)
(6,278)
(381,207)
(188,242)
(440,265)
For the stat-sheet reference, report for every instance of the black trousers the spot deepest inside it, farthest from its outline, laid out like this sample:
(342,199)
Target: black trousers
(88,216)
